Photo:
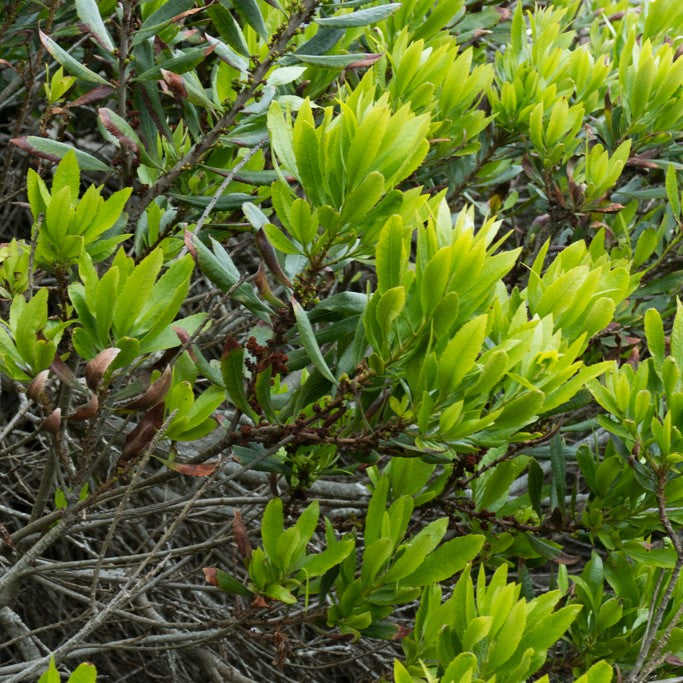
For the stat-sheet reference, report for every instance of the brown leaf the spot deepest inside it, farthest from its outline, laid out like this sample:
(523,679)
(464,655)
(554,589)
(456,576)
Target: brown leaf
(260,601)
(614,207)
(641,162)
(200,470)
(368,60)
(564,558)
(52,422)
(401,632)
(95,369)
(241,536)
(63,372)
(210,574)
(154,394)
(86,411)
(230,344)
(187,237)
(24,144)
(35,389)
(175,83)
(268,254)
(94,95)
(111,126)
(139,438)
(263,287)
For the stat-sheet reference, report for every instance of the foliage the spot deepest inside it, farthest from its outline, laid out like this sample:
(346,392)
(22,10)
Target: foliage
(397,282)
(84,673)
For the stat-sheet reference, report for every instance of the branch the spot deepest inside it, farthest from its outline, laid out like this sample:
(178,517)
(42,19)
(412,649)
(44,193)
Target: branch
(200,148)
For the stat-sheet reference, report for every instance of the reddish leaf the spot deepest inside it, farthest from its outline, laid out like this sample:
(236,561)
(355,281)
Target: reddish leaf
(187,237)
(200,470)
(154,394)
(268,254)
(35,389)
(175,83)
(120,135)
(86,411)
(139,438)
(610,208)
(95,369)
(95,95)
(369,60)
(241,536)
(260,601)
(23,143)
(566,559)
(63,372)
(52,422)
(210,574)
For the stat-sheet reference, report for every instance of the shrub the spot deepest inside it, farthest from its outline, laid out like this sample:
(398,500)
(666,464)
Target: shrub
(391,286)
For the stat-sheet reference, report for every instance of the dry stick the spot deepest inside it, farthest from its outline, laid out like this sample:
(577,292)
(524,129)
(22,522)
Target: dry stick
(199,149)
(206,657)
(126,591)
(126,497)
(219,192)
(124,44)
(13,625)
(11,575)
(641,668)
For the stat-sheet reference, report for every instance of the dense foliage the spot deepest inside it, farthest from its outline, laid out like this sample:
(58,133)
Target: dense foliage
(340,340)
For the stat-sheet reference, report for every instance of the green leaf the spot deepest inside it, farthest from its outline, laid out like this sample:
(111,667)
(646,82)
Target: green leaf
(317,565)
(389,307)
(654,332)
(252,13)
(309,341)
(672,191)
(67,174)
(228,28)
(391,255)
(54,150)
(332,61)
(84,673)
(362,17)
(232,364)
(508,638)
(446,560)
(601,672)
(230,584)
(517,412)
(476,631)
(459,356)
(279,240)
(376,508)
(272,526)
(375,555)
(90,17)
(51,675)
(73,66)
(412,554)
(677,335)
(161,18)
(536,476)
(559,470)
(136,292)
(281,138)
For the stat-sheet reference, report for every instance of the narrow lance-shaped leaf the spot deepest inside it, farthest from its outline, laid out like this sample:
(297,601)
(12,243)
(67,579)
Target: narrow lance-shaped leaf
(89,14)
(309,341)
(72,65)
(362,17)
